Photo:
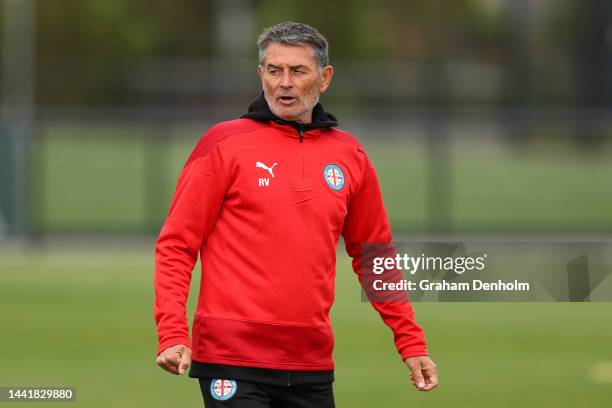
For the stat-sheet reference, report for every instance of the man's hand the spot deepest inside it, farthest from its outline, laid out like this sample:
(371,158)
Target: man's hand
(423,373)
(175,359)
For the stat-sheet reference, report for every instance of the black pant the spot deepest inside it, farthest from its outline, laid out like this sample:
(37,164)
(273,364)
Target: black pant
(248,394)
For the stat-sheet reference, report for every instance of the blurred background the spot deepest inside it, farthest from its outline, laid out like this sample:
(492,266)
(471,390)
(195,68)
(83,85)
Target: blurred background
(482,117)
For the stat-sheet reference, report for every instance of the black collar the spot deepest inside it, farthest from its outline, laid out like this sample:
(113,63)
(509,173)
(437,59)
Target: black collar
(259,110)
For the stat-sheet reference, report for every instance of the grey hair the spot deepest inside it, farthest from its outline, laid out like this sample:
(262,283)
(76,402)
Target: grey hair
(292,33)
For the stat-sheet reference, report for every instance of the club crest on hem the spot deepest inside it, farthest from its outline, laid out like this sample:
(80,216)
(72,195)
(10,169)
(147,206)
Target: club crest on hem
(222,390)
(334,177)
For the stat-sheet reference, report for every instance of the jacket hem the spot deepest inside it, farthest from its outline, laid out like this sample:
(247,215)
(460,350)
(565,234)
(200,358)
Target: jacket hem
(262,364)
(258,344)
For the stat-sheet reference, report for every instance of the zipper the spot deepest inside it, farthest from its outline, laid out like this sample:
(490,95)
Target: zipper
(301,132)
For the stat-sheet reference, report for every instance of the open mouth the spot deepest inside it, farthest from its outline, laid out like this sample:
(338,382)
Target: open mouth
(287,99)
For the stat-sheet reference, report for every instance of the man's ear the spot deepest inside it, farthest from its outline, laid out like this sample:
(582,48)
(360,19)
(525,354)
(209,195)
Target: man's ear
(326,77)
(259,71)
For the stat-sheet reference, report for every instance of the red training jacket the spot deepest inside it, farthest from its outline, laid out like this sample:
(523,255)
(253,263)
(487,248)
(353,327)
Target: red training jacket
(264,207)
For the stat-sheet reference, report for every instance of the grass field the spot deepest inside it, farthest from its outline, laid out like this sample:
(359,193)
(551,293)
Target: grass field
(96,180)
(81,316)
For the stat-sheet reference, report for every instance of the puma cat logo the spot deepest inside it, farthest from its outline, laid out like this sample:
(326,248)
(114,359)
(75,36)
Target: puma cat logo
(260,165)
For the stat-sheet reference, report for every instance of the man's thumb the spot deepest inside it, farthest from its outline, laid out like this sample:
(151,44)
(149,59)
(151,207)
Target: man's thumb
(185,361)
(418,381)
(417,376)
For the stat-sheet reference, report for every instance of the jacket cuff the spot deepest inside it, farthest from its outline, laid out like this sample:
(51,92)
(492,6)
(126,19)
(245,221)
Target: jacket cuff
(173,342)
(413,353)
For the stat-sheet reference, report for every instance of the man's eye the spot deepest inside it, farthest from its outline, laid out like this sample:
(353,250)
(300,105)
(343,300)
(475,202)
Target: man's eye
(273,71)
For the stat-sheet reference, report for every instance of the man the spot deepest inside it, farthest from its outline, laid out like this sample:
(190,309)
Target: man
(263,199)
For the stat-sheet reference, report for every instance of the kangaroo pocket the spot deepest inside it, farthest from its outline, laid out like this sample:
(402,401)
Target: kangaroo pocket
(261,344)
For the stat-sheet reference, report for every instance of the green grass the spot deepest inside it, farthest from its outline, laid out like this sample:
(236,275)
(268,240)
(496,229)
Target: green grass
(98,182)
(83,317)
(495,188)
(89,182)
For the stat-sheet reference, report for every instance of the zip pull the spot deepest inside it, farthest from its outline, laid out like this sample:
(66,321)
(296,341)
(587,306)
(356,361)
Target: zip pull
(301,131)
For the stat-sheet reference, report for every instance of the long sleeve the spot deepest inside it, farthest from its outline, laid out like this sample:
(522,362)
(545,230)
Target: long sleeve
(193,212)
(367,222)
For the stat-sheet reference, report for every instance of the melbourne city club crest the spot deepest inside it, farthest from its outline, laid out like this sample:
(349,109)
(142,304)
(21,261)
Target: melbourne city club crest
(223,389)
(334,177)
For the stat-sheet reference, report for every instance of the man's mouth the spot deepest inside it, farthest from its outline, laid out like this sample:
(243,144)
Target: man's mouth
(287,100)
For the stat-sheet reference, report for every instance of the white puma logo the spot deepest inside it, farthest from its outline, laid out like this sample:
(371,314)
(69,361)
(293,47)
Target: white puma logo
(260,165)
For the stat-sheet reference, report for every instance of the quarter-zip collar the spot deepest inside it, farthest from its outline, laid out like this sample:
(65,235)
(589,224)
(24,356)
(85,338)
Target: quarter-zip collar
(259,110)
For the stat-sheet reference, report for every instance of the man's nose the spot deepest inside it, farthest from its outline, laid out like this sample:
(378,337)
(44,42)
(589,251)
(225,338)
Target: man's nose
(286,80)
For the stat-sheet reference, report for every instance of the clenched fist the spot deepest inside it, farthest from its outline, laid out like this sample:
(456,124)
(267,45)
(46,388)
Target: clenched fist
(175,359)
(423,373)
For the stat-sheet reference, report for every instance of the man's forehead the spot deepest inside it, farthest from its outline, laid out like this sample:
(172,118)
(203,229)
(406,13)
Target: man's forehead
(289,55)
